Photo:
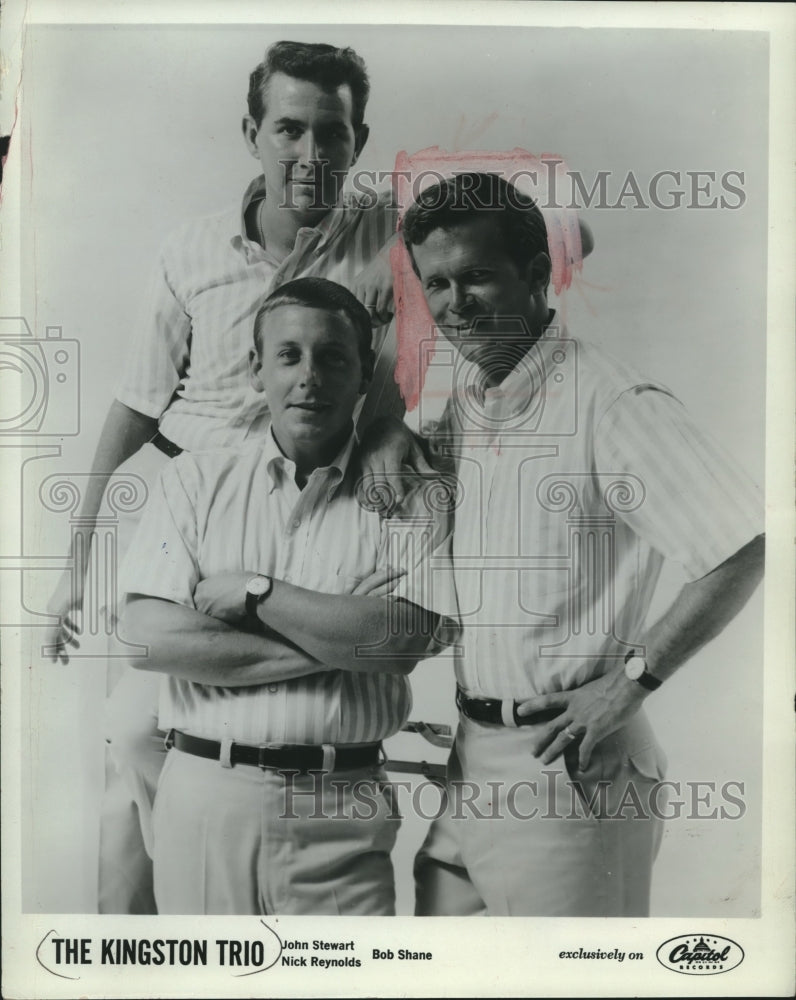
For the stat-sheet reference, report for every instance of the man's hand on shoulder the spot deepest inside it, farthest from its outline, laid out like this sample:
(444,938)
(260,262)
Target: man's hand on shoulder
(373,286)
(392,459)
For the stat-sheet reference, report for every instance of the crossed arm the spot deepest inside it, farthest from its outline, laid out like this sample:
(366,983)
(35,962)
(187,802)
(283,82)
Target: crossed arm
(215,644)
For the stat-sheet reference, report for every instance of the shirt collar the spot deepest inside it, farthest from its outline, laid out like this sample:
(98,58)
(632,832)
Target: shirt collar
(281,468)
(527,379)
(255,191)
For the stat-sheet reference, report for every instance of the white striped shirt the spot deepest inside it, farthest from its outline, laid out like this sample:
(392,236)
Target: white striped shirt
(578,478)
(240,510)
(188,364)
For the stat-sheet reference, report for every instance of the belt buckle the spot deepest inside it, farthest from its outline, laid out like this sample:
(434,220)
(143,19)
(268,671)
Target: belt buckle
(261,751)
(168,740)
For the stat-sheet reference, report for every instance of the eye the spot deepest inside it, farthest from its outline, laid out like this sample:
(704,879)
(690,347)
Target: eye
(288,355)
(434,284)
(335,359)
(289,131)
(334,133)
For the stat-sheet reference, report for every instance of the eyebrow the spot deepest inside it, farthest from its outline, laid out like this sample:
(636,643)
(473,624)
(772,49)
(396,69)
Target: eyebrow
(287,121)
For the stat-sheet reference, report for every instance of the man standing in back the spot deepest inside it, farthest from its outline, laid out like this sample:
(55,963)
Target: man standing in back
(186,385)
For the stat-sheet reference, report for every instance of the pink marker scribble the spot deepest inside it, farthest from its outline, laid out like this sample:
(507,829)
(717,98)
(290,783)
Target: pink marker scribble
(541,177)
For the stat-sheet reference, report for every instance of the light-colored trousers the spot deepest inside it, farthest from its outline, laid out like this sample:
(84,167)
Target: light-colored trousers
(135,751)
(519,838)
(243,840)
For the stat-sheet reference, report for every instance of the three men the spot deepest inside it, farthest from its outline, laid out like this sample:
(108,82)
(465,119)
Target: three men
(286,617)
(578,478)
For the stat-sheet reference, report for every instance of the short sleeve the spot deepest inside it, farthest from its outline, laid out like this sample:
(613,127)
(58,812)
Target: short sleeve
(685,496)
(160,342)
(417,541)
(162,560)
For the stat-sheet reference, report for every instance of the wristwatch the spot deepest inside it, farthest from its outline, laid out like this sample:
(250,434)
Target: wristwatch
(636,669)
(257,589)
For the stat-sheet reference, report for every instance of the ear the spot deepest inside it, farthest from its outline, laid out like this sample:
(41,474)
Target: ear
(368,365)
(537,273)
(361,133)
(250,129)
(255,371)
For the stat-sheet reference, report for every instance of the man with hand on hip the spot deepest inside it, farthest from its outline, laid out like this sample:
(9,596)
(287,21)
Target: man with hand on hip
(577,478)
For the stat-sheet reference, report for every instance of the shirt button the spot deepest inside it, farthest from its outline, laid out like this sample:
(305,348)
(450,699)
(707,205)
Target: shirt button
(297,523)
(273,688)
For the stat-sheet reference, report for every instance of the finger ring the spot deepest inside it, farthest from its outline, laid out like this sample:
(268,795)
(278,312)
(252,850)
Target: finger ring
(569,734)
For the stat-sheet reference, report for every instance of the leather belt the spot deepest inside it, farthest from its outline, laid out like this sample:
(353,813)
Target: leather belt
(167,447)
(282,758)
(500,712)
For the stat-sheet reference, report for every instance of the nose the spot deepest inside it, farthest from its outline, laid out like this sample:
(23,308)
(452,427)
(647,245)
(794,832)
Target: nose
(308,374)
(308,149)
(459,299)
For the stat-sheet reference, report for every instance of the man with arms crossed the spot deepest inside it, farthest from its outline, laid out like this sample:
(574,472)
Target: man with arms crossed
(255,578)
(578,478)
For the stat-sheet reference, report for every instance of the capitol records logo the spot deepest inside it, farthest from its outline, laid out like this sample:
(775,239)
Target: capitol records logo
(700,954)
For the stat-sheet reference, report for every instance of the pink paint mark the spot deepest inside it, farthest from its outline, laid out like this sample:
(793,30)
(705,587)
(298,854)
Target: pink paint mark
(542,177)
(414,328)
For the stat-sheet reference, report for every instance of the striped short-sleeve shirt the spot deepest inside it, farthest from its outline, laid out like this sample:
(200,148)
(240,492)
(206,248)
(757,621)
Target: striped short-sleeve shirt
(241,510)
(578,477)
(188,362)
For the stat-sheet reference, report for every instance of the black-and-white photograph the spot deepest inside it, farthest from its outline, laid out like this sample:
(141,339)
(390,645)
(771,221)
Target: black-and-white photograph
(389,511)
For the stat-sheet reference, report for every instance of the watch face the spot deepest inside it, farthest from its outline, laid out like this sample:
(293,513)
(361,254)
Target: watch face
(258,585)
(635,667)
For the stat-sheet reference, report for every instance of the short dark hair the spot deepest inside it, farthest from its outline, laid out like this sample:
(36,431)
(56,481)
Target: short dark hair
(325,65)
(464,196)
(320,293)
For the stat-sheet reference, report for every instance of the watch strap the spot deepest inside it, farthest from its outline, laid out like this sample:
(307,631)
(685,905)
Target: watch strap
(254,599)
(647,680)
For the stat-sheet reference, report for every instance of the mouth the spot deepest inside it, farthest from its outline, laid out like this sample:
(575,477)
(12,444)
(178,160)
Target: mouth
(457,329)
(311,406)
(305,183)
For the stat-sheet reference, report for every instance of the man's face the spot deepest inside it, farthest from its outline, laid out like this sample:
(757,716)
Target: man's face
(312,374)
(468,276)
(306,144)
